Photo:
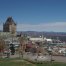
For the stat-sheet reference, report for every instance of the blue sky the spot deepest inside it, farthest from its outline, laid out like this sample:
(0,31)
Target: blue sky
(36,15)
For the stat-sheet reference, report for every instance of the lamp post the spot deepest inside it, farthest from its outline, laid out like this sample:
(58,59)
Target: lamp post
(12,48)
(50,53)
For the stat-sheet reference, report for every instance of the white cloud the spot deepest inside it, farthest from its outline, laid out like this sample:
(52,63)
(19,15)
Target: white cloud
(55,26)
(1,26)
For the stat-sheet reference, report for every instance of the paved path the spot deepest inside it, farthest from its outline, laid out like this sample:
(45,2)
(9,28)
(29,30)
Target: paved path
(33,57)
(59,58)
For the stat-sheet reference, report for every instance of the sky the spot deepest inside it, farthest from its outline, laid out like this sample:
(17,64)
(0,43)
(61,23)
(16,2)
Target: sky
(35,15)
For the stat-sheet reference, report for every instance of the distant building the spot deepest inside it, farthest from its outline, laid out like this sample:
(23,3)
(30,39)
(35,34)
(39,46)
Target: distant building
(38,39)
(9,25)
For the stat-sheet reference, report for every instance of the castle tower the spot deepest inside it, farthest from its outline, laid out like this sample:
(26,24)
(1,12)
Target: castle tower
(9,25)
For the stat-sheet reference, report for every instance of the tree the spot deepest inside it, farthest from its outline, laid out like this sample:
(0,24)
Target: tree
(22,45)
(12,48)
(2,46)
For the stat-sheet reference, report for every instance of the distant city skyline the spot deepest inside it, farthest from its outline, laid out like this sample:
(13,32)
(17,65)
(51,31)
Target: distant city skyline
(35,15)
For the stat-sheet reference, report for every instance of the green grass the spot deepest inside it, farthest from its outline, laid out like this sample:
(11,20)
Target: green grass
(52,64)
(13,62)
(20,62)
